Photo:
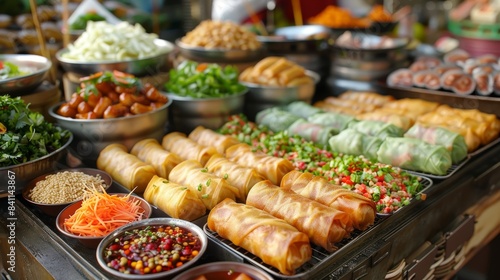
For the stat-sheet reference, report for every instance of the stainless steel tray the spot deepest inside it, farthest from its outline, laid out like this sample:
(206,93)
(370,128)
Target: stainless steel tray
(314,268)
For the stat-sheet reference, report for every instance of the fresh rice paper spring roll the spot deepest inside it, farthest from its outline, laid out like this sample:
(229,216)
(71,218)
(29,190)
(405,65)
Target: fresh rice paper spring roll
(452,141)
(323,225)
(302,109)
(353,142)
(377,128)
(271,168)
(311,131)
(274,241)
(239,176)
(207,137)
(361,210)
(210,188)
(276,119)
(415,154)
(178,201)
(178,143)
(125,168)
(150,151)
(336,121)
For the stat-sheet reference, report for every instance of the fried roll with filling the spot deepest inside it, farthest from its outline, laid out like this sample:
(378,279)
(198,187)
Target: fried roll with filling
(150,151)
(272,168)
(241,177)
(210,188)
(176,200)
(273,240)
(208,137)
(323,225)
(179,144)
(125,168)
(361,210)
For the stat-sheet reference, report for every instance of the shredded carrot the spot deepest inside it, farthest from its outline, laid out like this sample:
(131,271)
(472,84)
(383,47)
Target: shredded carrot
(101,213)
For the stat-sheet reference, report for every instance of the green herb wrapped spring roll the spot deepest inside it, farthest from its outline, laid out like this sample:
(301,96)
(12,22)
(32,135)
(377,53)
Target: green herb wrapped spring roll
(302,109)
(452,141)
(311,131)
(276,119)
(336,121)
(377,128)
(353,142)
(415,154)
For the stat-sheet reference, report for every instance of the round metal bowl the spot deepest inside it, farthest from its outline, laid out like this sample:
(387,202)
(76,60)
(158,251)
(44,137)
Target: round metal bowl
(187,112)
(55,209)
(143,224)
(37,68)
(261,97)
(93,241)
(219,55)
(216,269)
(138,67)
(20,174)
(91,136)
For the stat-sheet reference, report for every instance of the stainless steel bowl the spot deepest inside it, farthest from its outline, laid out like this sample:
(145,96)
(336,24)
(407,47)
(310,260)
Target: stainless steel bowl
(145,223)
(91,136)
(224,267)
(187,112)
(219,55)
(37,66)
(261,97)
(19,175)
(138,67)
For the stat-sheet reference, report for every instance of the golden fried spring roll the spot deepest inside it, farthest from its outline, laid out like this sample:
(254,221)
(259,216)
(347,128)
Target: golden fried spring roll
(361,210)
(179,144)
(241,177)
(271,239)
(323,225)
(125,168)
(150,151)
(210,188)
(272,168)
(208,137)
(176,200)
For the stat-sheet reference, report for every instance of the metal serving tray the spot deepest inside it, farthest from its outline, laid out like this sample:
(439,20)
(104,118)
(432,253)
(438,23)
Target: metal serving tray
(314,268)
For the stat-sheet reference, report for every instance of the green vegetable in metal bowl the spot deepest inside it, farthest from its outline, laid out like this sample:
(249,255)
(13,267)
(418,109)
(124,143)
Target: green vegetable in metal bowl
(24,134)
(204,80)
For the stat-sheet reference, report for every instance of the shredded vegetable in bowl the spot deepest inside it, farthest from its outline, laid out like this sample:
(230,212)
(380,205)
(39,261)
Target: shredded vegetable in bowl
(103,41)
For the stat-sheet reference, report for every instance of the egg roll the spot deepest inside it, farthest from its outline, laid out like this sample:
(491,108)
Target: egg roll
(151,152)
(367,97)
(241,177)
(210,188)
(324,225)
(272,168)
(452,141)
(415,154)
(207,137)
(125,168)
(179,144)
(176,200)
(361,210)
(273,240)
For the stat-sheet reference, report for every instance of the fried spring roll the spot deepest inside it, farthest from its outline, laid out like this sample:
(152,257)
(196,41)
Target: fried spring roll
(323,225)
(179,144)
(241,177)
(210,188)
(176,200)
(125,168)
(208,137)
(150,151)
(272,168)
(360,209)
(273,240)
